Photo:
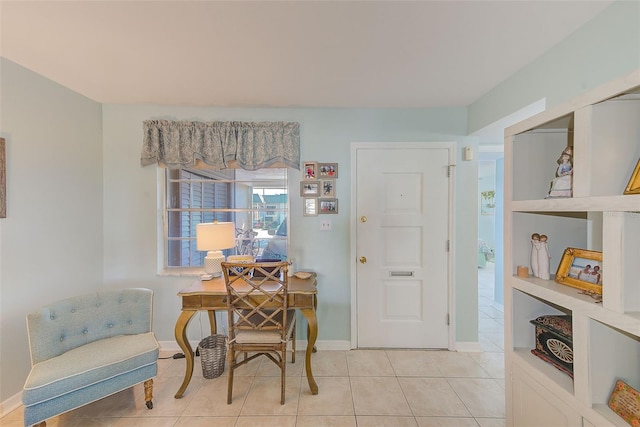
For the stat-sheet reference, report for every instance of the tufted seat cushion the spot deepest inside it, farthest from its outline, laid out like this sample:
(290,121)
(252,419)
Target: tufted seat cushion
(88,347)
(89,364)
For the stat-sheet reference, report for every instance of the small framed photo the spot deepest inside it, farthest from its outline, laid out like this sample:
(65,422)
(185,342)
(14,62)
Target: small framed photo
(328,170)
(581,269)
(633,187)
(309,188)
(328,206)
(310,170)
(328,188)
(309,206)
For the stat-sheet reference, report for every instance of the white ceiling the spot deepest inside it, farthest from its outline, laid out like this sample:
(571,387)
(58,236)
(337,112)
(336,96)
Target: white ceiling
(285,53)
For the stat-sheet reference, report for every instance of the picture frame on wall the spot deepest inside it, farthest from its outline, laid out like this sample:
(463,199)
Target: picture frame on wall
(328,170)
(309,206)
(310,188)
(633,187)
(582,269)
(328,206)
(328,188)
(310,170)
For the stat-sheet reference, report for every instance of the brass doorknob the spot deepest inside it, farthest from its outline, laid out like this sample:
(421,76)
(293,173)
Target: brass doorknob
(363,260)
(363,218)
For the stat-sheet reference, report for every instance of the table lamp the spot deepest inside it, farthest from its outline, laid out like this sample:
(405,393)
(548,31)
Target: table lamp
(213,237)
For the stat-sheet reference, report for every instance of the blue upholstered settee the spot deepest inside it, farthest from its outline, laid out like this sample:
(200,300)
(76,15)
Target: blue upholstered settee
(86,348)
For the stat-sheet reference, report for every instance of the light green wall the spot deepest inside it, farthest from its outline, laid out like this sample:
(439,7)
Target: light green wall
(51,244)
(603,49)
(51,239)
(131,206)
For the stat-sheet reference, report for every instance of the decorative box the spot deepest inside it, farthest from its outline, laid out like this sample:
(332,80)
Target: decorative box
(554,341)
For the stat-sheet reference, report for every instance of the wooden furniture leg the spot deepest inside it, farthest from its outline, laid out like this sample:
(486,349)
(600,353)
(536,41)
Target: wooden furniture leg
(312,335)
(183,342)
(212,321)
(148,393)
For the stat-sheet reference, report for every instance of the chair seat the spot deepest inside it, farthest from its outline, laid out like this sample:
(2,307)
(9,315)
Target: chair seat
(262,336)
(89,364)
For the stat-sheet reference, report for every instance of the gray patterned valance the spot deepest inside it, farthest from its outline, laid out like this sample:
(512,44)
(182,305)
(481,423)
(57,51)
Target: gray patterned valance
(221,145)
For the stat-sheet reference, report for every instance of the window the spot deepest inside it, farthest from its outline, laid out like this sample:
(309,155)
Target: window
(256,201)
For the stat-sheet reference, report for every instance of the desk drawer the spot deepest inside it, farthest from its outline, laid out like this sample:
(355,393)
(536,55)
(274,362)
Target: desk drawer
(203,302)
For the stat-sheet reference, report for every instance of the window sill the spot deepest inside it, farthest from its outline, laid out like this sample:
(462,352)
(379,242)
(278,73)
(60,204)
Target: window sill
(181,272)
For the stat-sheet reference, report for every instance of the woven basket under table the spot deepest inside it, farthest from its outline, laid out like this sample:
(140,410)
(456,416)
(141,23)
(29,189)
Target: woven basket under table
(213,353)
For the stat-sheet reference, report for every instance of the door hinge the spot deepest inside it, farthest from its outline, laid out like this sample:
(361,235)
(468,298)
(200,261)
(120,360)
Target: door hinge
(448,246)
(450,170)
(448,320)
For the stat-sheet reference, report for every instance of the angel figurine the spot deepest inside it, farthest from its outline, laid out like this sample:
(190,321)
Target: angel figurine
(562,184)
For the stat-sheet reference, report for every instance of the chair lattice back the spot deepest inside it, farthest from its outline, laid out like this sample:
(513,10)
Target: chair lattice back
(257,296)
(259,322)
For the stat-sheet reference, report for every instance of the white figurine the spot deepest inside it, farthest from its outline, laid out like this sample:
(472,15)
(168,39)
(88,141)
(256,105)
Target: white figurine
(562,184)
(543,259)
(535,249)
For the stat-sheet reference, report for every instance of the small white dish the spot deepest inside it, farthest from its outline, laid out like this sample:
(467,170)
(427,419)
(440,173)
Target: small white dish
(302,275)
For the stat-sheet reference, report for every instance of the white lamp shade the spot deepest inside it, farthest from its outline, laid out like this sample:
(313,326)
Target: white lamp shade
(211,236)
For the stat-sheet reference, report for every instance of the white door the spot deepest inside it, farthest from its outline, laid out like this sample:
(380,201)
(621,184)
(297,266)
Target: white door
(402,228)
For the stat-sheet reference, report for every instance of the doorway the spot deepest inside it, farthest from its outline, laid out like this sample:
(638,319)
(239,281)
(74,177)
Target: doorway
(402,287)
(490,288)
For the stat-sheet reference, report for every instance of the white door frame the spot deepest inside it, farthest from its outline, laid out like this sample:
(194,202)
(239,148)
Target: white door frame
(451,147)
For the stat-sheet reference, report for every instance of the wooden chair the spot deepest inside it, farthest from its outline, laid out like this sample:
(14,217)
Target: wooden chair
(260,323)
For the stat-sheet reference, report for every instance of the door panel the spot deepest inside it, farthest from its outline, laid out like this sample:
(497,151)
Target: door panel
(402,289)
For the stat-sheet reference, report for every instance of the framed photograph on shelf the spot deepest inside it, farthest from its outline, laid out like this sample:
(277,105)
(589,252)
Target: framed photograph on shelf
(582,269)
(328,188)
(328,206)
(328,170)
(309,206)
(309,188)
(633,187)
(310,170)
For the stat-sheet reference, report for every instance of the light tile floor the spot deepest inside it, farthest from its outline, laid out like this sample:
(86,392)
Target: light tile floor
(357,388)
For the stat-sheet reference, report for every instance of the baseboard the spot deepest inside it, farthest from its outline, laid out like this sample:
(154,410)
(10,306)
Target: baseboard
(328,345)
(11,404)
(468,346)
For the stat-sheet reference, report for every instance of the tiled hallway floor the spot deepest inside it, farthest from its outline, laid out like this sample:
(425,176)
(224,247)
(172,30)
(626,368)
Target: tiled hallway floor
(357,388)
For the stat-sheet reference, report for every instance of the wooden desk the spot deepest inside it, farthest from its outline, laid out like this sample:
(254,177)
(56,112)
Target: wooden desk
(211,295)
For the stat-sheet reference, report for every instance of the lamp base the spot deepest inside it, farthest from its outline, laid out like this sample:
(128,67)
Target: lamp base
(212,263)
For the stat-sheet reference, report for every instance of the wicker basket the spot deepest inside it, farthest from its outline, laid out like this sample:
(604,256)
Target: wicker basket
(213,353)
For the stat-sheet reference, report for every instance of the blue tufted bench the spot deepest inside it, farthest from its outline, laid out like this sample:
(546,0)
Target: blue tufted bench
(86,348)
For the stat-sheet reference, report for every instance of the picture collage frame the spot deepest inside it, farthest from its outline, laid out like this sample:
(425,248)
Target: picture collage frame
(318,188)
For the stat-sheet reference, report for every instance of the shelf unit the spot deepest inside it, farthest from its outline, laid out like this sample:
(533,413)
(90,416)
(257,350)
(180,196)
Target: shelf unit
(603,126)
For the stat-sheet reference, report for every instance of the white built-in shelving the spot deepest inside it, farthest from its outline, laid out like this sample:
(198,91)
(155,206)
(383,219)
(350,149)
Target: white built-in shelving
(603,127)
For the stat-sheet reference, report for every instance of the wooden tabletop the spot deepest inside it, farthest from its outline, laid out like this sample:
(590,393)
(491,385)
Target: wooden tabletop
(216,286)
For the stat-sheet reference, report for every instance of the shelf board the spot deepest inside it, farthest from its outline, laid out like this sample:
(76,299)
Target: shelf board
(606,412)
(561,295)
(621,203)
(542,370)
(569,298)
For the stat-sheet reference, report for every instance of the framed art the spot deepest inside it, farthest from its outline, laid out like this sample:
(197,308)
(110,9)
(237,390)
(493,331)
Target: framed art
(310,188)
(328,188)
(310,170)
(625,401)
(328,170)
(633,187)
(581,269)
(328,206)
(309,206)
